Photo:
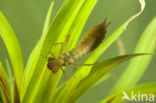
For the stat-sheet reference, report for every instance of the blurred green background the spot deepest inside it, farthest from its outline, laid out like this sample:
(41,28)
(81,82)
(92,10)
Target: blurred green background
(27,17)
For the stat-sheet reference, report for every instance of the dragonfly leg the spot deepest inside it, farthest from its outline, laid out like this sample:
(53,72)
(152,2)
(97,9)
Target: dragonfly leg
(67,42)
(62,46)
(50,54)
(85,64)
(70,66)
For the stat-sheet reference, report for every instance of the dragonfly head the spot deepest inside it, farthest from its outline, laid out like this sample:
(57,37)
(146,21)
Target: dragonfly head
(54,64)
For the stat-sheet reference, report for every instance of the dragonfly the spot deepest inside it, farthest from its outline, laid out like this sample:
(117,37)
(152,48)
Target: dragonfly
(91,40)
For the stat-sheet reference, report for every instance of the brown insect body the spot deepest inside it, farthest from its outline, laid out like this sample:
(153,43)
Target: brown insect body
(89,42)
(54,64)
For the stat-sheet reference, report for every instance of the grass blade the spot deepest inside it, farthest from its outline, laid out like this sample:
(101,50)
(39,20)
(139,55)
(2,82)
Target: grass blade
(4,84)
(43,83)
(1,96)
(97,72)
(13,48)
(138,66)
(11,80)
(34,54)
(48,19)
(4,94)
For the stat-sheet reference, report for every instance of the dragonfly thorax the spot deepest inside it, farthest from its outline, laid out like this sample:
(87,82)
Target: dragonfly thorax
(68,59)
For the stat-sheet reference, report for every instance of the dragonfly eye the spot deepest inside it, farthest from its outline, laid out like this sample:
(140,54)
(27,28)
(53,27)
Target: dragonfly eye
(50,59)
(49,66)
(52,68)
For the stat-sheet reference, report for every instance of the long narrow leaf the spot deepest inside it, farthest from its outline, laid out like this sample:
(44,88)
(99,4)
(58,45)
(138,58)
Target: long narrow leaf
(47,20)
(34,55)
(98,71)
(138,66)
(1,96)
(4,84)
(41,89)
(11,80)
(13,48)
(4,94)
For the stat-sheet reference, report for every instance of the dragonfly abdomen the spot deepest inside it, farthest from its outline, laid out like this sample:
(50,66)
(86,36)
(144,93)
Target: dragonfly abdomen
(90,41)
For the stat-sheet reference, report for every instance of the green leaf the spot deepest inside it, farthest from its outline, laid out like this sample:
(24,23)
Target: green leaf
(11,80)
(1,96)
(13,48)
(34,54)
(147,88)
(98,71)
(47,20)
(4,84)
(4,94)
(8,86)
(138,66)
